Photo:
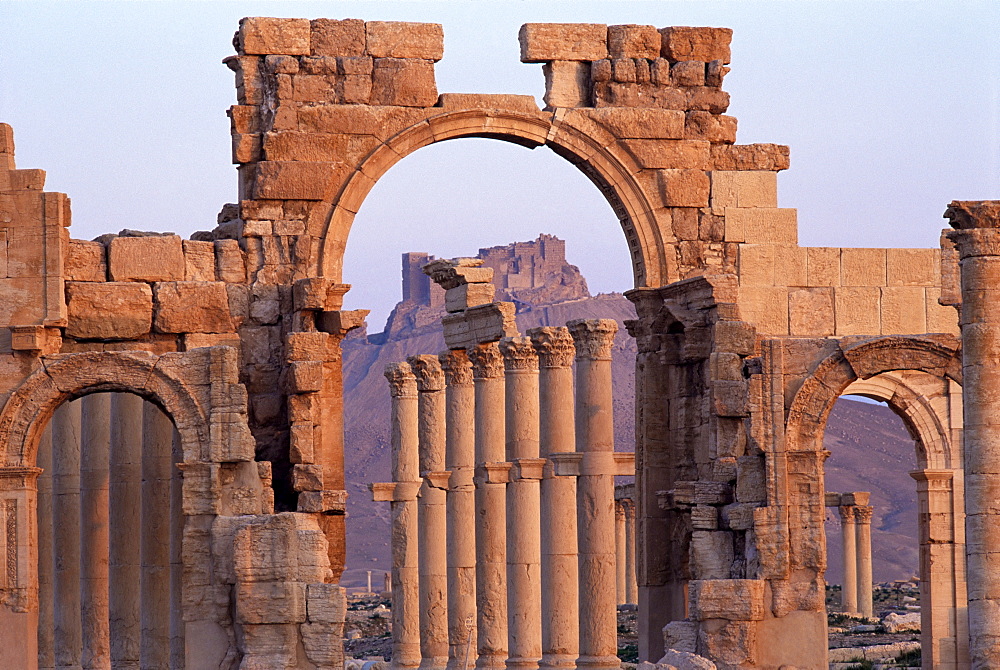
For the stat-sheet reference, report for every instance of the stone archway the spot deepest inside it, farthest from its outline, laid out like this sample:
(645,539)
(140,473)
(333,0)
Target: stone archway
(919,378)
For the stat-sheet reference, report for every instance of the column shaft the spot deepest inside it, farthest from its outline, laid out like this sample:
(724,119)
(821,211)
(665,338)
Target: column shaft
(154,585)
(631,584)
(176,555)
(432,513)
(125,525)
(595,492)
(863,520)
(66,543)
(460,461)
(94,445)
(849,589)
(557,435)
(491,516)
(619,552)
(46,558)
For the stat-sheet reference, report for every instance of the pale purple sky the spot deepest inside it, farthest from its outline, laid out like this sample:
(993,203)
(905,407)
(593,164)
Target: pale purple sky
(890,109)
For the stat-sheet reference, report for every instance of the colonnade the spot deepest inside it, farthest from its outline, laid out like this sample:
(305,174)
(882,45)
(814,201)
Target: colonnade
(109,530)
(856,524)
(627,586)
(503,472)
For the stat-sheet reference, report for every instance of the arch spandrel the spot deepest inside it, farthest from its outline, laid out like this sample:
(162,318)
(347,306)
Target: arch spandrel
(591,150)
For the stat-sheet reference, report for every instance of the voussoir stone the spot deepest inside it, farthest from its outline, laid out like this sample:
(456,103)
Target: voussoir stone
(108,310)
(192,307)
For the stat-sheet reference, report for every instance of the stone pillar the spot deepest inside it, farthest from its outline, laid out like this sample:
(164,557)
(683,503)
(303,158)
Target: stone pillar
(524,585)
(432,513)
(596,492)
(154,585)
(631,584)
(849,589)
(125,525)
(46,556)
(460,461)
(491,517)
(66,543)
(978,241)
(557,435)
(177,646)
(863,526)
(94,444)
(620,552)
(405,474)
(19,567)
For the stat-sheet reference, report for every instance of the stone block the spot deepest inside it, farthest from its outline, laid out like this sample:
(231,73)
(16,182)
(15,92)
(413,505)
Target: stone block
(326,603)
(858,310)
(681,636)
(108,311)
(822,266)
(682,43)
(269,646)
(766,308)
(305,377)
(633,41)
(789,265)
(293,180)
(704,517)
(199,261)
(468,295)
(323,645)
(246,148)
(567,84)
(307,477)
(715,128)
(403,82)
(730,398)
(903,310)
(711,554)
(940,318)
(670,154)
(623,70)
(639,123)
(749,188)
(150,258)
(750,157)
(260,35)
(230,266)
(85,261)
(398,39)
(730,599)
(192,307)
(330,37)
(763,225)
(199,340)
(688,73)
(684,188)
(751,483)
(862,267)
(912,267)
(811,312)
(541,42)
(326,502)
(735,336)
(300,442)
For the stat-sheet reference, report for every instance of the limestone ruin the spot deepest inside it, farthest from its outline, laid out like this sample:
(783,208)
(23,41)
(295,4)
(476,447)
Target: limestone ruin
(232,557)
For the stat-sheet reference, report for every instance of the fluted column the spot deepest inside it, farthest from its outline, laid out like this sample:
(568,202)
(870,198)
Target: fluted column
(460,461)
(978,241)
(863,526)
(432,513)
(157,437)
(620,552)
(557,435)
(46,558)
(94,445)
(125,524)
(849,589)
(596,492)
(491,517)
(66,516)
(524,586)
(405,477)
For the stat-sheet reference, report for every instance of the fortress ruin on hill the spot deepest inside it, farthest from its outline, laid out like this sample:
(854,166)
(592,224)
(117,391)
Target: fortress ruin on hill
(172,429)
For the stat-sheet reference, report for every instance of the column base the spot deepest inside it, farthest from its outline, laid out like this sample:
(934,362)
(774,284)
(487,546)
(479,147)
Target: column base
(434,663)
(557,662)
(404,663)
(460,662)
(598,663)
(522,663)
(491,662)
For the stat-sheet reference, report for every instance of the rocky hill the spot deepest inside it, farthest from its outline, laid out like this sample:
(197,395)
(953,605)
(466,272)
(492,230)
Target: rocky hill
(871,449)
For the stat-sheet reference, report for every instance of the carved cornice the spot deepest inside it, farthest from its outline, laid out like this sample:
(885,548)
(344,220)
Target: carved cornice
(554,346)
(518,354)
(487,363)
(402,382)
(968,214)
(593,338)
(427,369)
(456,367)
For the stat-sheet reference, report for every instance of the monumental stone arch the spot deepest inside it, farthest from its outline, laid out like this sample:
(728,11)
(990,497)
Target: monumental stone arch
(745,340)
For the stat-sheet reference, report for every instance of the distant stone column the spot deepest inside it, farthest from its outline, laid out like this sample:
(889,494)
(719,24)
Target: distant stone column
(620,552)
(125,529)
(66,543)
(432,513)
(158,437)
(405,477)
(177,632)
(95,416)
(46,556)
(978,240)
(863,526)
(524,582)
(596,492)
(460,461)
(491,517)
(849,589)
(631,583)
(557,435)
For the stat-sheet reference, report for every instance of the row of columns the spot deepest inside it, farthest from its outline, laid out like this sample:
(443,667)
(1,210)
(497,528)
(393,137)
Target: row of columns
(627,585)
(109,564)
(512,485)
(856,593)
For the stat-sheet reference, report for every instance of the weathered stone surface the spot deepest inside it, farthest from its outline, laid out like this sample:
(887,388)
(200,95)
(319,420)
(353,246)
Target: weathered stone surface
(681,43)
(199,261)
(294,180)
(730,599)
(541,42)
(153,258)
(192,307)
(398,39)
(329,37)
(567,84)
(263,35)
(108,311)
(403,82)
(86,261)
(633,41)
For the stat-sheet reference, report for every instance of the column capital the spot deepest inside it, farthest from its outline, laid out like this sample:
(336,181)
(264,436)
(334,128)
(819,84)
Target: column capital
(487,363)
(846,513)
(427,370)
(18,478)
(863,514)
(968,214)
(456,367)
(402,382)
(554,346)
(518,354)
(593,338)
